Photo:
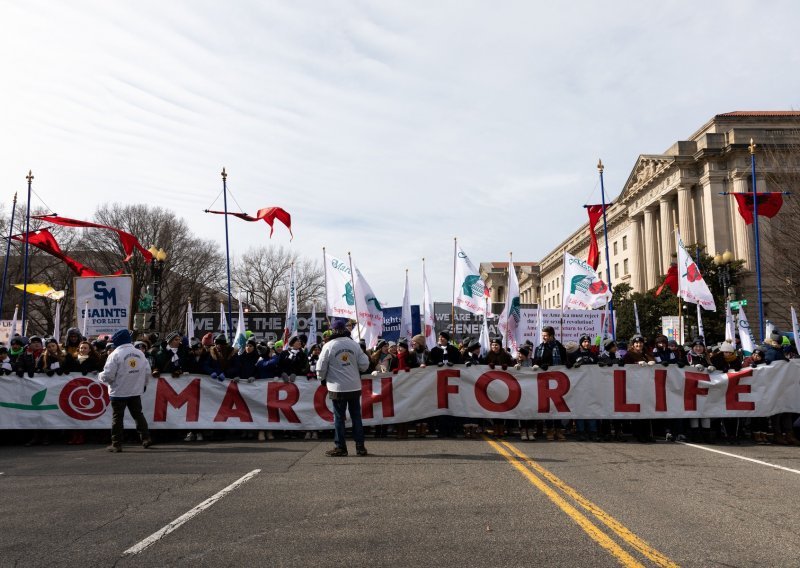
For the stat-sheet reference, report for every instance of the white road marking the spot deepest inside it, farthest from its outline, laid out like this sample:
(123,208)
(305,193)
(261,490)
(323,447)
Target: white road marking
(790,470)
(161,533)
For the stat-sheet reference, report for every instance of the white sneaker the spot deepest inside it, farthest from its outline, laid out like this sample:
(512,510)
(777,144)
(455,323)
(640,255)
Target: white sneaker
(199,437)
(307,436)
(524,437)
(270,435)
(190,437)
(314,435)
(261,436)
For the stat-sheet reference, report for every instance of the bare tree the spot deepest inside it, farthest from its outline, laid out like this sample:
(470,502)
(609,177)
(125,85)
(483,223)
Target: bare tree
(263,274)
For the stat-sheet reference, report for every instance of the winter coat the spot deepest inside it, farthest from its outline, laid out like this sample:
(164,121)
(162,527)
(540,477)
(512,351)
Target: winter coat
(223,360)
(246,364)
(543,356)
(500,358)
(581,357)
(90,365)
(449,354)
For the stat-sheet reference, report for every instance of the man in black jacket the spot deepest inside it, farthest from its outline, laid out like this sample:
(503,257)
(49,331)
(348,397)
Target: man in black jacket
(444,353)
(550,351)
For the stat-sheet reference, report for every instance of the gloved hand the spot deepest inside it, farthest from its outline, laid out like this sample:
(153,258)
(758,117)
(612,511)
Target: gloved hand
(535,367)
(517,366)
(20,373)
(468,363)
(578,363)
(665,363)
(711,368)
(699,367)
(155,374)
(642,363)
(651,363)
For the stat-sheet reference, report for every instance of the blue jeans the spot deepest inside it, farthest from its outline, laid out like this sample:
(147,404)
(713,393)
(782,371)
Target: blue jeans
(339,409)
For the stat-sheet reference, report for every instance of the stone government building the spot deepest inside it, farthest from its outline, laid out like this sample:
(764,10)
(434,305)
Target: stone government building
(681,187)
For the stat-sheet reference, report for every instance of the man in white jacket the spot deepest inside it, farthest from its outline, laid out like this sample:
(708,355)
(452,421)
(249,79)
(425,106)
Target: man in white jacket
(340,365)
(126,372)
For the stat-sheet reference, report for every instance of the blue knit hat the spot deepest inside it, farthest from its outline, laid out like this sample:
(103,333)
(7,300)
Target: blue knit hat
(121,337)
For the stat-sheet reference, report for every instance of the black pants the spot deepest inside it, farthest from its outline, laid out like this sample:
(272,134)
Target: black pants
(134,406)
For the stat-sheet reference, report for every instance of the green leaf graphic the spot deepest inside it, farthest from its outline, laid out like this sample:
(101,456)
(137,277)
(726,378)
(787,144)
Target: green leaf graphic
(38,398)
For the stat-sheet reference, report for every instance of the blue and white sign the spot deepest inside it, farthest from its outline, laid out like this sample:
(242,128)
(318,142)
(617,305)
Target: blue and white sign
(103,304)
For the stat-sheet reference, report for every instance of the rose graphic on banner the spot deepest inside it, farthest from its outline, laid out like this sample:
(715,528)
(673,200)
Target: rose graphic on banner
(583,288)
(83,399)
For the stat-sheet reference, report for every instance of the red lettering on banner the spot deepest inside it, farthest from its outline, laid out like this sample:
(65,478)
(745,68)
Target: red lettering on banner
(443,386)
(691,390)
(546,394)
(189,396)
(661,390)
(320,405)
(369,399)
(482,391)
(233,406)
(621,403)
(276,404)
(735,388)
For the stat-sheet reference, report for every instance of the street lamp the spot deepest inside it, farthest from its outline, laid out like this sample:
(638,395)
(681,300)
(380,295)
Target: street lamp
(156,270)
(723,262)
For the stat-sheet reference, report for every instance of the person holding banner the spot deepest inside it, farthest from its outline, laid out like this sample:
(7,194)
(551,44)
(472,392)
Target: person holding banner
(551,352)
(340,365)
(126,372)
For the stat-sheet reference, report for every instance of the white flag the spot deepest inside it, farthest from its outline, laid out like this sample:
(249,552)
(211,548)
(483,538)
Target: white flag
(290,328)
(339,288)
(240,339)
(636,316)
(745,333)
(189,321)
(691,286)
(539,326)
(223,321)
(57,322)
(794,330)
(483,339)
(700,331)
(730,328)
(509,319)
(470,291)
(429,322)
(405,316)
(769,328)
(312,327)
(583,288)
(14,321)
(370,312)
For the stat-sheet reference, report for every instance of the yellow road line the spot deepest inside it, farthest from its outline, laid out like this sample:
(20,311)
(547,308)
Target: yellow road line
(621,530)
(589,528)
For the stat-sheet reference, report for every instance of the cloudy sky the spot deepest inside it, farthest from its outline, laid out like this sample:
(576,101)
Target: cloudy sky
(385,128)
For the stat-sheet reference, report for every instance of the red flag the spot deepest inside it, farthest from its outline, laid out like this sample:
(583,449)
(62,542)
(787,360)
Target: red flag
(670,280)
(595,212)
(45,240)
(267,214)
(128,241)
(769,203)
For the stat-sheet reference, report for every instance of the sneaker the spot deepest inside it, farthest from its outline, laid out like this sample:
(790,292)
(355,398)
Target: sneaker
(146,443)
(307,436)
(199,437)
(680,438)
(336,452)
(114,448)
(524,437)
(262,437)
(315,435)
(270,435)
(190,437)
(361,451)
(669,437)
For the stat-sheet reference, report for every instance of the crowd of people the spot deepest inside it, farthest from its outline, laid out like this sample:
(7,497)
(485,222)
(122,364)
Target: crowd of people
(297,359)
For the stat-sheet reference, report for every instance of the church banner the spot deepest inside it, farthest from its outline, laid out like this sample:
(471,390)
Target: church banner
(103,303)
(198,402)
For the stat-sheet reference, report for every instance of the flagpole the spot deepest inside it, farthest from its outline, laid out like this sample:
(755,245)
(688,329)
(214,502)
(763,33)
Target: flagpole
(424,307)
(453,304)
(325,266)
(511,266)
(29,177)
(752,148)
(8,252)
(227,251)
(563,296)
(355,296)
(600,168)
(680,300)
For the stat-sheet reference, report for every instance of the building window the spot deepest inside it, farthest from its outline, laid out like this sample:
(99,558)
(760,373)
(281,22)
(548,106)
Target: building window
(616,270)
(625,243)
(625,266)
(615,248)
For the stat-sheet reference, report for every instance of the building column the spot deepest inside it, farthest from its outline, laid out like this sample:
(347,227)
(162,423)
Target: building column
(637,263)
(651,250)
(685,217)
(667,235)
(715,216)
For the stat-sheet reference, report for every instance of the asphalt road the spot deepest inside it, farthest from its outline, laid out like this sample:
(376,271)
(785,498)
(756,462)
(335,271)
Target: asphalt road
(412,503)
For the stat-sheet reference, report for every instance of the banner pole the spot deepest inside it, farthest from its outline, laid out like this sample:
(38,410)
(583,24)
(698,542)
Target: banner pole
(227,253)
(752,148)
(8,252)
(453,302)
(325,266)
(600,168)
(29,177)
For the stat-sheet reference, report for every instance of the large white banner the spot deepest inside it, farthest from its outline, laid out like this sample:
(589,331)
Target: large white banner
(103,303)
(198,402)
